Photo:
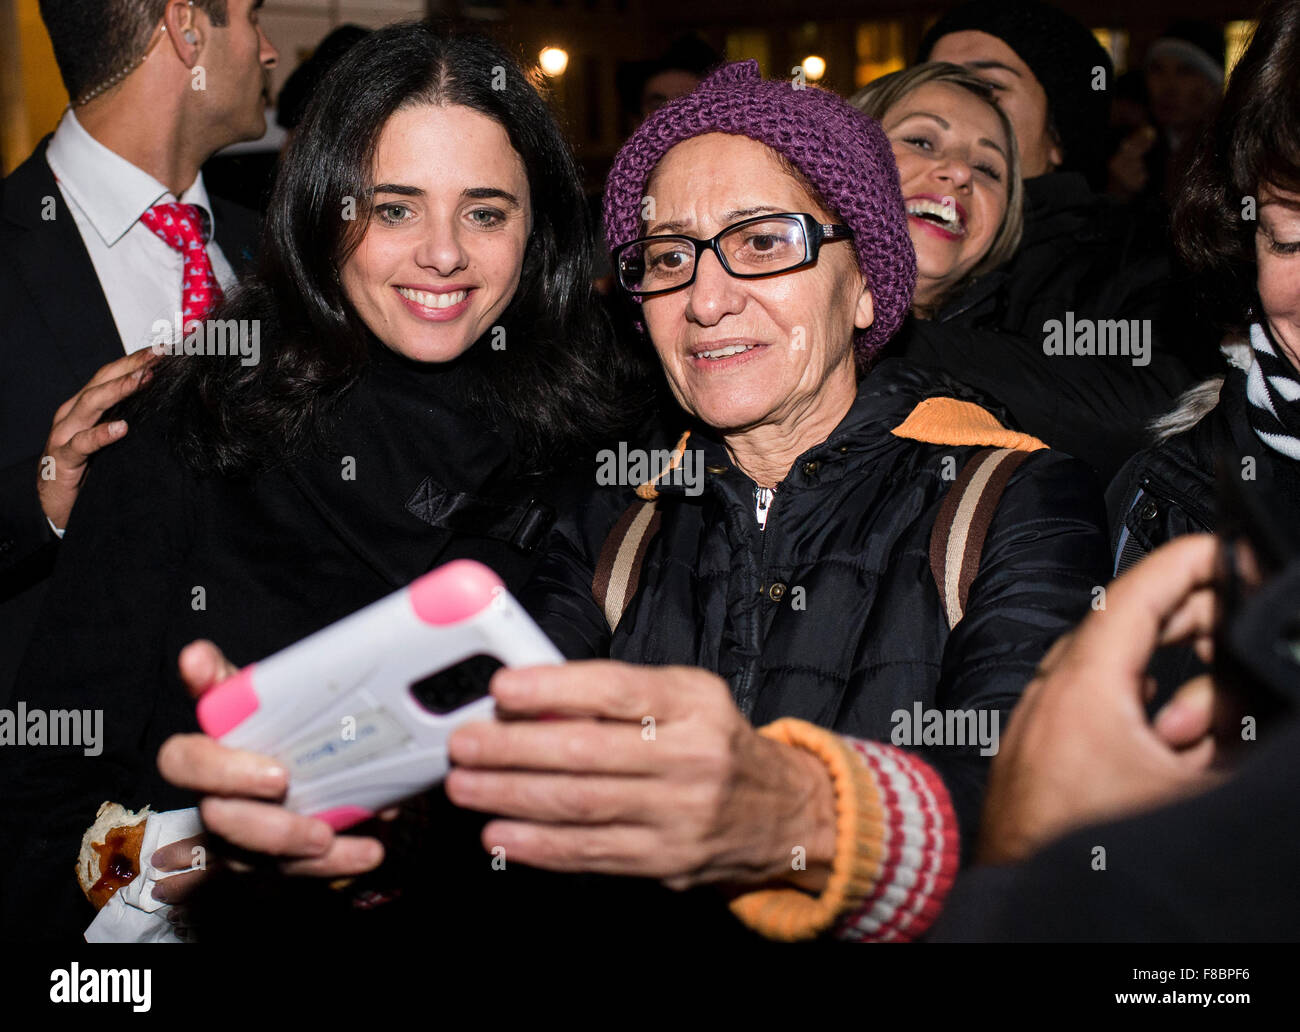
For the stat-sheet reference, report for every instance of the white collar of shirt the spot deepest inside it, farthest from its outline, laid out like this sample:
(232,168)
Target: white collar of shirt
(111,192)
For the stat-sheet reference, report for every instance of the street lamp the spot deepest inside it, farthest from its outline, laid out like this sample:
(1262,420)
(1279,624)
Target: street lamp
(814,67)
(553,60)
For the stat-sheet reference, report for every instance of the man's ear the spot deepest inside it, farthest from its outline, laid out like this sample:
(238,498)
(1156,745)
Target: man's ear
(183,27)
(865,314)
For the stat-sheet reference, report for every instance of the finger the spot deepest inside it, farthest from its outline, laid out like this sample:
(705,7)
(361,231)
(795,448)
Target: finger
(123,366)
(178,887)
(616,849)
(202,665)
(1200,757)
(204,765)
(1204,648)
(591,688)
(1189,715)
(176,855)
(348,855)
(555,745)
(1194,617)
(1119,639)
(559,798)
(80,446)
(266,828)
(93,402)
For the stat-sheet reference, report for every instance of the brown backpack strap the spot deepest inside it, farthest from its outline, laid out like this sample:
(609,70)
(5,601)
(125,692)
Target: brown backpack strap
(963,521)
(618,571)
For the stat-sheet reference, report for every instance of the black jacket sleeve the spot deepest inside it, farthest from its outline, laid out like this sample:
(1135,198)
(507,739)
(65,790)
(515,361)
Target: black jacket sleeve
(24,531)
(559,594)
(1044,555)
(97,649)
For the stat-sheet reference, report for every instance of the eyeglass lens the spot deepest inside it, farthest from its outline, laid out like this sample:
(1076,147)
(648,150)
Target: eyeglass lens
(754,248)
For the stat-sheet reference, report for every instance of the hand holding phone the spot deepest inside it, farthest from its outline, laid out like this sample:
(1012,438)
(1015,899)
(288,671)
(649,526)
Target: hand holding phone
(343,709)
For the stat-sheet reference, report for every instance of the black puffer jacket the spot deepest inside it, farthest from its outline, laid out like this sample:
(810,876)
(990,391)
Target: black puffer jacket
(1079,254)
(1169,490)
(831,613)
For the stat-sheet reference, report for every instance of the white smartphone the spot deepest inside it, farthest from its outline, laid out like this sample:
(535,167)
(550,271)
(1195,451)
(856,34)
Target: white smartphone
(347,710)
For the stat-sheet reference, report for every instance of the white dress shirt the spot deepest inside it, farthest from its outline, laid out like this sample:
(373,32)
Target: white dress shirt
(140,274)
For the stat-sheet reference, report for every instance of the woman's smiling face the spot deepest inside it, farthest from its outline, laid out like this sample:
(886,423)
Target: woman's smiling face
(951,152)
(443,252)
(795,329)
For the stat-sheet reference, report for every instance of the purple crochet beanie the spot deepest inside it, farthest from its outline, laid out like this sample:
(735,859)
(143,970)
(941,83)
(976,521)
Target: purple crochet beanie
(843,153)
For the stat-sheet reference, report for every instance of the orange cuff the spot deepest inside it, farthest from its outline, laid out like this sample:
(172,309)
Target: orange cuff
(860,843)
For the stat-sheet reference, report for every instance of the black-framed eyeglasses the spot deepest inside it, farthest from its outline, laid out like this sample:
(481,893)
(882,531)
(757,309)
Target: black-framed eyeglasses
(762,246)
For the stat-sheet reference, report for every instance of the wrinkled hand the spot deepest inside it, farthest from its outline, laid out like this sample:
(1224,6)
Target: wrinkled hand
(619,769)
(77,432)
(241,791)
(1079,748)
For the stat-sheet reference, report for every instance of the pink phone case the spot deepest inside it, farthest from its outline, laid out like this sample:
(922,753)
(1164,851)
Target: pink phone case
(337,709)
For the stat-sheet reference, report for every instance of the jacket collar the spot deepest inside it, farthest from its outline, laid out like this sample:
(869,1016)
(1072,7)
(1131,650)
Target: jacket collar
(110,191)
(886,395)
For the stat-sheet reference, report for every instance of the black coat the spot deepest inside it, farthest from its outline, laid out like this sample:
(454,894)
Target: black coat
(1217,868)
(1080,253)
(1169,490)
(56,330)
(155,557)
(856,630)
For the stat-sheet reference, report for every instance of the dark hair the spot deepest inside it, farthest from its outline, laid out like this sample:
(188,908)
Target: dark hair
(94,40)
(301,86)
(1255,140)
(557,384)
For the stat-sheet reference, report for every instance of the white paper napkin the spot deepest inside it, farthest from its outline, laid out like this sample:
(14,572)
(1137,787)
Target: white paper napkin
(133,915)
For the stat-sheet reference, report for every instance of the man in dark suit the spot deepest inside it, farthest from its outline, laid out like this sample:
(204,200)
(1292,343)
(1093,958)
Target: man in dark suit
(90,260)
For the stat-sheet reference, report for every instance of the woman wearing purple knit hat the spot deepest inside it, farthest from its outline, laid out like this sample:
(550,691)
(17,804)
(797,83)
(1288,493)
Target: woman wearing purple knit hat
(805,561)
(806,623)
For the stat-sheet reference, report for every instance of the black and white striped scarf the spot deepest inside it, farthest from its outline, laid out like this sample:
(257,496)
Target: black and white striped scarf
(1273,390)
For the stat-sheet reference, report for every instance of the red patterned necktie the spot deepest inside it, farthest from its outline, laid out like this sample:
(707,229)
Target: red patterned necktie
(185,228)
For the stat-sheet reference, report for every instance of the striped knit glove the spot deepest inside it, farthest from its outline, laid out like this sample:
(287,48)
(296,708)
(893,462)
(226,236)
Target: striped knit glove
(897,846)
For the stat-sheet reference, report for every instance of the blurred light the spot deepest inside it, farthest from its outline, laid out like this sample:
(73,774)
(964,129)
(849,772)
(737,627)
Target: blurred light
(553,60)
(814,67)
(1237,37)
(1116,43)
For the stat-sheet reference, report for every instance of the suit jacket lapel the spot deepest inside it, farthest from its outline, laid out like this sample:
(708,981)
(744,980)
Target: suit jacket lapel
(236,229)
(57,271)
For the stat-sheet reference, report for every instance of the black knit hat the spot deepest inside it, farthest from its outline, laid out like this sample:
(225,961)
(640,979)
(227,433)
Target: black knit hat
(1062,54)
(1195,43)
(301,86)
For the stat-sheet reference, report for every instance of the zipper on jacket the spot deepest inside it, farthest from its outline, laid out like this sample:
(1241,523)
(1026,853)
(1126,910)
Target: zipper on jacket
(762,503)
(745,703)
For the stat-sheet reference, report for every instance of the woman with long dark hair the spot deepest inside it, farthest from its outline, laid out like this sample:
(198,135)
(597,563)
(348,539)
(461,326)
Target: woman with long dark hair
(417,359)
(1237,226)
